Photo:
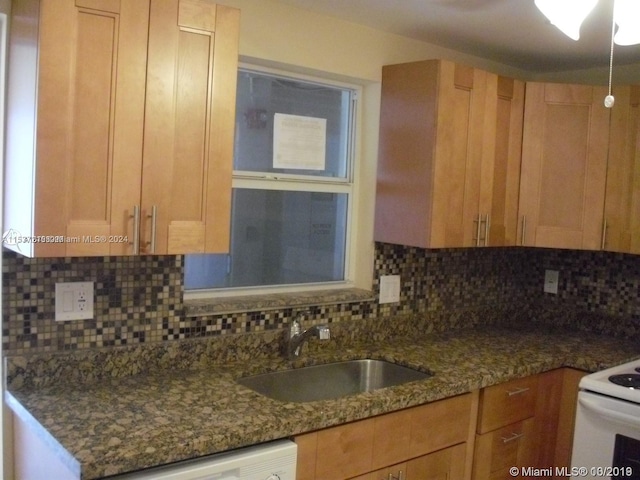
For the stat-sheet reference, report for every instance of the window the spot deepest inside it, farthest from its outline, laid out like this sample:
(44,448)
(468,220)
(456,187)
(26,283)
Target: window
(292,187)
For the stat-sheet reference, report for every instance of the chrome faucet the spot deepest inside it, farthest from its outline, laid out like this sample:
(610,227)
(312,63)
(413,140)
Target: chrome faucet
(297,336)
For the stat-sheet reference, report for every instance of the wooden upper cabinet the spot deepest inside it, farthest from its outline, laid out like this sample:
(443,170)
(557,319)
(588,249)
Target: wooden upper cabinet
(449,141)
(564,163)
(622,199)
(75,119)
(115,107)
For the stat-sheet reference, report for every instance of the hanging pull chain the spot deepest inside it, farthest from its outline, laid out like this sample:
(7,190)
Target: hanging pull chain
(609,100)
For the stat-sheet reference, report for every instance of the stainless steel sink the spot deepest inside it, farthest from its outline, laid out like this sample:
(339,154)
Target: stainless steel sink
(332,380)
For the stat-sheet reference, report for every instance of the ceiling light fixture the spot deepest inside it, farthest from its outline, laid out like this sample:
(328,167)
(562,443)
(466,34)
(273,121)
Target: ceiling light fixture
(568,16)
(626,13)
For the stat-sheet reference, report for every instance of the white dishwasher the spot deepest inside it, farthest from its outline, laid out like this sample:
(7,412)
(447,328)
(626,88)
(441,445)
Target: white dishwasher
(268,461)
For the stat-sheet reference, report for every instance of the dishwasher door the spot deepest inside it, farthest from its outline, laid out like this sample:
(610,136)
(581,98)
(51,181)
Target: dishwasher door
(269,461)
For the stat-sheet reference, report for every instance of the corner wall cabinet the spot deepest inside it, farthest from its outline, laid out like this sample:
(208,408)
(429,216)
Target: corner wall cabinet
(449,159)
(564,166)
(120,126)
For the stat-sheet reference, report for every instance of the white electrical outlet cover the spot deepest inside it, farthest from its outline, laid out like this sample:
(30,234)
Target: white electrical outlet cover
(389,289)
(74,301)
(551,278)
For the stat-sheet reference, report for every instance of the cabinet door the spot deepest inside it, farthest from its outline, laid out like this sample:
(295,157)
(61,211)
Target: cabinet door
(501,169)
(345,451)
(189,124)
(307,454)
(564,157)
(395,472)
(89,109)
(447,464)
(547,416)
(459,151)
(622,201)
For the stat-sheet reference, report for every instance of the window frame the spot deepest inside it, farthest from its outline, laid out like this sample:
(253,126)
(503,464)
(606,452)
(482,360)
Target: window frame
(350,184)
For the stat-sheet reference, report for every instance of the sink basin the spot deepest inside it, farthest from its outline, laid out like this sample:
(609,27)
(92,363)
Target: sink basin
(332,380)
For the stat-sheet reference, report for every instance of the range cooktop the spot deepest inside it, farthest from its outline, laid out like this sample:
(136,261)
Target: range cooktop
(622,381)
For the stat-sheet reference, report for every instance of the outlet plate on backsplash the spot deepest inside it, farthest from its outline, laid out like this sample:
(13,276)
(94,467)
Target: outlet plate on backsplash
(74,301)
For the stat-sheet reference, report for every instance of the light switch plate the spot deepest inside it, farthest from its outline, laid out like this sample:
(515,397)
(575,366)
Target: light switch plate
(74,301)
(389,289)
(551,281)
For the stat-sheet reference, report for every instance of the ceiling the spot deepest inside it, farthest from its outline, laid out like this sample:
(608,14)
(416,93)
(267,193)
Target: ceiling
(511,32)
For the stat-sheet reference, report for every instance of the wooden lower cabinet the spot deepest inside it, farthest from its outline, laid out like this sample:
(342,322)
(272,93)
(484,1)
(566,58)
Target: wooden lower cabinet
(526,422)
(357,449)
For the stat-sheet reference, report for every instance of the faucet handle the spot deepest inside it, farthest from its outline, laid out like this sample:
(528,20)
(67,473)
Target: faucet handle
(323,332)
(295,328)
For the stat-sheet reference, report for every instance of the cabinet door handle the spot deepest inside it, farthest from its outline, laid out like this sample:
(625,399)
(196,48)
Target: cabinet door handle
(603,242)
(524,230)
(517,391)
(154,217)
(514,436)
(478,223)
(136,229)
(393,477)
(487,226)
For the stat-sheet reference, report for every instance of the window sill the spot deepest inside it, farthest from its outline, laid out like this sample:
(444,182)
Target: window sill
(246,303)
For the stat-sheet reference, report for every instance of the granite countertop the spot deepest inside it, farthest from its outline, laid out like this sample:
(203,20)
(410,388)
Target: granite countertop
(123,424)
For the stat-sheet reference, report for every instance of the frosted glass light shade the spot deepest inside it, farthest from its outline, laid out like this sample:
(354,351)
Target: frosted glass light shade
(567,15)
(626,14)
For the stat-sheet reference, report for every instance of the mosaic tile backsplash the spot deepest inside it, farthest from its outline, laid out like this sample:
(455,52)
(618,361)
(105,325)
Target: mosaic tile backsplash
(139,299)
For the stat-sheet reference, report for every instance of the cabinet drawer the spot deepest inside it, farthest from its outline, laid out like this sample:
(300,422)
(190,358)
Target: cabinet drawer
(510,402)
(499,450)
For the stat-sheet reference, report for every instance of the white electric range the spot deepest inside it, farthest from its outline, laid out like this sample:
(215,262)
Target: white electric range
(606,440)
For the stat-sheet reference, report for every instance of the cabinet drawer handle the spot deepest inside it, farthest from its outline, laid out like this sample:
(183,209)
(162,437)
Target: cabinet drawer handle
(517,391)
(603,243)
(514,436)
(136,229)
(524,230)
